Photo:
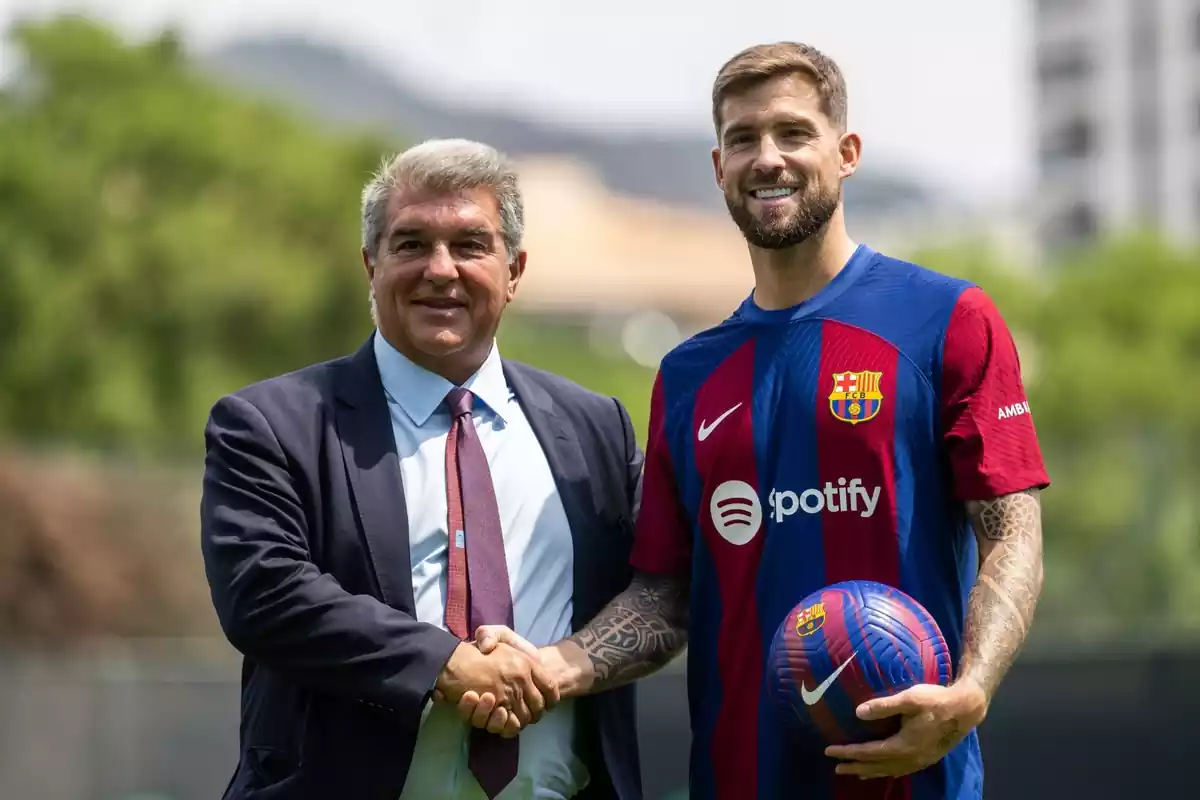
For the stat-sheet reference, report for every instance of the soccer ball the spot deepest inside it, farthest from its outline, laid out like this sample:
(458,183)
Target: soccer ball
(846,644)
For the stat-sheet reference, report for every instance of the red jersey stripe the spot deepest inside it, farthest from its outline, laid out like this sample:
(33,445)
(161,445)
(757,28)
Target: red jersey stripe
(732,526)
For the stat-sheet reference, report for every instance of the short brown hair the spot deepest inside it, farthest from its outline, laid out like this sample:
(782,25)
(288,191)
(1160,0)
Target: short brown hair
(762,62)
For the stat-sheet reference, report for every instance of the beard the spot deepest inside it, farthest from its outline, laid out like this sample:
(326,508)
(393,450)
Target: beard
(787,227)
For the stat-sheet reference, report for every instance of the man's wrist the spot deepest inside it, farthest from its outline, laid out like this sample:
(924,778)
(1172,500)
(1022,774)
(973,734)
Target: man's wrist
(449,680)
(976,699)
(570,665)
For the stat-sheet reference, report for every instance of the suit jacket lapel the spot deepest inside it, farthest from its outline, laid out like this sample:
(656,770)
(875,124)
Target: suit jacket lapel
(561,446)
(373,470)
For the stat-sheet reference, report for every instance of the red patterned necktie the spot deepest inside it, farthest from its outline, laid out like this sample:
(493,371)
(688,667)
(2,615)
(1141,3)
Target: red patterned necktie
(477,586)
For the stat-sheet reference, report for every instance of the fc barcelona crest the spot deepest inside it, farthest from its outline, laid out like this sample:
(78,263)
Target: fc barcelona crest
(810,620)
(855,397)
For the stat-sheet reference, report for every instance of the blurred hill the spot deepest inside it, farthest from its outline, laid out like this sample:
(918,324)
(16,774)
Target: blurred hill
(343,89)
(606,212)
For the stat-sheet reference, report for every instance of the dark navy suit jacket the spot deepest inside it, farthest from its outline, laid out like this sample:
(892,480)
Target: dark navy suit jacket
(305,542)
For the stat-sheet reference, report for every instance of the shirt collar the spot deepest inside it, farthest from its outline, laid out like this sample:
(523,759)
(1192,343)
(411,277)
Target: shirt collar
(421,392)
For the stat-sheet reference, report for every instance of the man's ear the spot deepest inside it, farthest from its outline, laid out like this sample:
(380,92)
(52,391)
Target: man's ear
(516,270)
(850,148)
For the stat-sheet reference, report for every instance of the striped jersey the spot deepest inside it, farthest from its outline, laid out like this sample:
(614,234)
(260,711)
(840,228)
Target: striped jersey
(835,440)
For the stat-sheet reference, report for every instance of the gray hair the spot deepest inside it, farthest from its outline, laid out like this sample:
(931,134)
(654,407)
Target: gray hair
(445,165)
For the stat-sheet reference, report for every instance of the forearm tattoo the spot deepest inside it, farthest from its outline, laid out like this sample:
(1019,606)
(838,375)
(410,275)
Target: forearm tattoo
(639,632)
(1001,605)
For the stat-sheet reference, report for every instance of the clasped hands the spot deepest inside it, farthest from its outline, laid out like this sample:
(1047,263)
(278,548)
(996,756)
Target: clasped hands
(498,682)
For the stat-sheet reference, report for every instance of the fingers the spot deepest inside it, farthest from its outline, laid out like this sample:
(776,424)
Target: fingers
(877,769)
(481,711)
(521,694)
(499,719)
(511,728)
(885,750)
(517,692)
(888,758)
(488,636)
(911,701)
(915,746)
(477,712)
(466,704)
(525,699)
(546,686)
(905,702)
(535,700)
(928,730)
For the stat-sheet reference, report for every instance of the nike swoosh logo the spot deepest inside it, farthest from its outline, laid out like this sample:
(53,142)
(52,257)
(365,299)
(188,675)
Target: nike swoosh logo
(815,695)
(706,429)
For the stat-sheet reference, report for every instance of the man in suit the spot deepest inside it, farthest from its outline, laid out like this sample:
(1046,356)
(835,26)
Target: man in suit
(362,517)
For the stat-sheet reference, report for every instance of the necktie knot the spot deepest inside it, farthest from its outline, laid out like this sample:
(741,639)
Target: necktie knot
(460,401)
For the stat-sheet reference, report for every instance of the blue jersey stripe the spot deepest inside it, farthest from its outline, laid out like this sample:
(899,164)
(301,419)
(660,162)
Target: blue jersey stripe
(793,565)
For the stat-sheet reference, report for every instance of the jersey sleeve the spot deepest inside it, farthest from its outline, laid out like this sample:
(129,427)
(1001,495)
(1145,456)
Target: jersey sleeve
(987,427)
(662,540)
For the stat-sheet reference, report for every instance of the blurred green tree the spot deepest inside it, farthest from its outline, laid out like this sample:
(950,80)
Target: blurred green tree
(166,241)
(1110,347)
(163,240)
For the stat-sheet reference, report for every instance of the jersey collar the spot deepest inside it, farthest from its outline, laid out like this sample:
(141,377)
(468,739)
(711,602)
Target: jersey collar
(749,311)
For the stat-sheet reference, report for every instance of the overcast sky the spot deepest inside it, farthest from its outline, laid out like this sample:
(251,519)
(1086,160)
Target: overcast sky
(937,87)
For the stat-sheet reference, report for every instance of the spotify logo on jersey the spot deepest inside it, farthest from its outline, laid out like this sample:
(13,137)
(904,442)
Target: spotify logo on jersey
(736,511)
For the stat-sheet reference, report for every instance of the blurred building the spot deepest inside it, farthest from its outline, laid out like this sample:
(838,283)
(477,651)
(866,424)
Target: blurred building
(1118,117)
(651,270)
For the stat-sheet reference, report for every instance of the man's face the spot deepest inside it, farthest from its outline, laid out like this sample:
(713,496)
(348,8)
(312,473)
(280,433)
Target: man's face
(441,275)
(780,162)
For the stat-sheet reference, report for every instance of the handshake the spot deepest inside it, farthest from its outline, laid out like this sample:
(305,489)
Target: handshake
(502,683)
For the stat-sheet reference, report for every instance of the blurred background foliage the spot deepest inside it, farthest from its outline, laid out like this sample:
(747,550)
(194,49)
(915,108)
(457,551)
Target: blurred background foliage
(164,241)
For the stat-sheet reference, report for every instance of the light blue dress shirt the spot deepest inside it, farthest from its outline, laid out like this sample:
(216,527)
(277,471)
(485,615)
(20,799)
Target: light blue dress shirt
(538,549)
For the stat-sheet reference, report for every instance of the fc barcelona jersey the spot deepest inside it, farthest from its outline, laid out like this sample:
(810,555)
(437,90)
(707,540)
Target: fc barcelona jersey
(835,440)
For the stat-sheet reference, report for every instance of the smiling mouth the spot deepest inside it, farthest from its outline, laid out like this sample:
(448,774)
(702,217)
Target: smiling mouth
(773,193)
(440,305)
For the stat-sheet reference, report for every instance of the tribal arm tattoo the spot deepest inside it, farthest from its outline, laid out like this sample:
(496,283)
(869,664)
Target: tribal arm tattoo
(638,633)
(1001,605)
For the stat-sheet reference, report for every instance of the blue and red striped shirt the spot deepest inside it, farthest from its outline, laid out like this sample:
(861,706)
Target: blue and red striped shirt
(835,440)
